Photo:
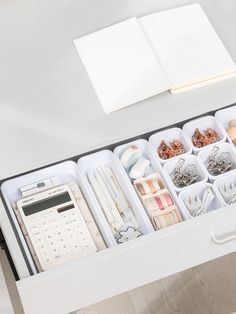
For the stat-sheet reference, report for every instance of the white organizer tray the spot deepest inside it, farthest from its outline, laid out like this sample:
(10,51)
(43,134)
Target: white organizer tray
(223,147)
(169,135)
(202,124)
(66,172)
(224,116)
(148,153)
(217,202)
(230,177)
(106,157)
(169,169)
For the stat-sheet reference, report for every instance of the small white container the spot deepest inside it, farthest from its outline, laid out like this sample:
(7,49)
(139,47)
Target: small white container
(170,166)
(168,136)
(147,152)
(223,147)
(224,116)
(106,157)
(202,124)
(216,203)
(230,177)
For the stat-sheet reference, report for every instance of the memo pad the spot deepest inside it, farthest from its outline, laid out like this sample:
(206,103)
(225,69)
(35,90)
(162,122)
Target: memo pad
(174,50)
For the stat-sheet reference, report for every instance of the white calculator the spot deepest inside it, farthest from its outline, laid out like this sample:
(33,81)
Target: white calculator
(55,226)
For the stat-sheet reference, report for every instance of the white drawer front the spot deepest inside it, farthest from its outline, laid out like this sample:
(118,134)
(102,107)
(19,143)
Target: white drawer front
(5,303)
(118,269)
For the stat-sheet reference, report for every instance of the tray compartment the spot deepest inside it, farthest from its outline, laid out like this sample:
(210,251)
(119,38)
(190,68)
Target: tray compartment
(106,157)
(169,135)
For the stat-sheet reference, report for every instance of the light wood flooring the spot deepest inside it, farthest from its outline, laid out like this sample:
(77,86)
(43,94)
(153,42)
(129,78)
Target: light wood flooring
(206,289)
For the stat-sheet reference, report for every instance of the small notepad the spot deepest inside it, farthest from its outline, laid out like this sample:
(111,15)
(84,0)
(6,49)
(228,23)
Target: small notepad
(174,50)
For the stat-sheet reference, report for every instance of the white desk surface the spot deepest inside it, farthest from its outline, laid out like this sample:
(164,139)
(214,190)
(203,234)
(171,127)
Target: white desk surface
(48,107)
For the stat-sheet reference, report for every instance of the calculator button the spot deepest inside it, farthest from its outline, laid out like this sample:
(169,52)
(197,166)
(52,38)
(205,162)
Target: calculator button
(67,253)
(68,229)
(47,229)
(51,236)
(39,241)
(76,248)
(48,260)
(55,250)
(45,252)
(57,257)
(37,233)
(35,229)
(42,247)
(70,221)
(59,234)
(56,225)
(44,224)
(61,240)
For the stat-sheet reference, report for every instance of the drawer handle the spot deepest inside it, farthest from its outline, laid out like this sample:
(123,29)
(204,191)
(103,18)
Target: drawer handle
(220,236)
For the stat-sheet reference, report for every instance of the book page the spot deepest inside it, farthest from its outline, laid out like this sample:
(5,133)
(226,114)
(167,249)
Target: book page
(187,46)
(121,65)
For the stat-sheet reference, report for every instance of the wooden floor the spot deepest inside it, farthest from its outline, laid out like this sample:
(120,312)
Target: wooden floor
(209,288)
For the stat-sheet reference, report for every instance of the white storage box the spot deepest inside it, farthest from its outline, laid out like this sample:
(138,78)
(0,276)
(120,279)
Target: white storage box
(223,147)
(202,124)
(169,135)
(170,167)
(220,182)
(217,202)
(224,116)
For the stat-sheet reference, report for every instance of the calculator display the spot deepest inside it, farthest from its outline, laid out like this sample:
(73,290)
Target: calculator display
(46,203)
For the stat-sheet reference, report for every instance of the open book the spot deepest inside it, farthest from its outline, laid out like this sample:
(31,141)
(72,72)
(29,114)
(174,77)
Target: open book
(174,50)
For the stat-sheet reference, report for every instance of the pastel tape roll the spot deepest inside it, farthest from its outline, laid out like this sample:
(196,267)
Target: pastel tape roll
(139,169)
(169,217)
(164,200)
(130,156)
(149,186)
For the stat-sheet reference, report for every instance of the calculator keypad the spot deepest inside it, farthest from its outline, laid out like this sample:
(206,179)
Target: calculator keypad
(59,237)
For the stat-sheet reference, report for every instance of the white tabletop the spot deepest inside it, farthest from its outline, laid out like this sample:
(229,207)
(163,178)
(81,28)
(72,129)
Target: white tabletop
(48,107)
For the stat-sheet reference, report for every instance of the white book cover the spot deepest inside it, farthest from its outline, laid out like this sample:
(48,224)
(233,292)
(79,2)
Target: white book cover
(174,50)
(187,46)
(121,65)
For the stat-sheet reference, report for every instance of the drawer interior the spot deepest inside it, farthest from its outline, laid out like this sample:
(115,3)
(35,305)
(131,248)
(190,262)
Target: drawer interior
(69,170)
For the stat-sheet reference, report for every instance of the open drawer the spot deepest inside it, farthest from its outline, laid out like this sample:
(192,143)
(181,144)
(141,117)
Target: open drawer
(119,268)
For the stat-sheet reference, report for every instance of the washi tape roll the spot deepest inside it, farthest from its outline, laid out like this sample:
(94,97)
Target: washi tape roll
(170,216)
(149,186)
(164,200)
(130,156)
(139,169)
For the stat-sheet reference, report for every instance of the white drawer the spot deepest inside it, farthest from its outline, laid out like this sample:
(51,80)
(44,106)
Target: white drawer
(120,268)
(5,303)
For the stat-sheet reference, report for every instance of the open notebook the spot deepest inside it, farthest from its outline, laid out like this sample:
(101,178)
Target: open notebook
(174,50)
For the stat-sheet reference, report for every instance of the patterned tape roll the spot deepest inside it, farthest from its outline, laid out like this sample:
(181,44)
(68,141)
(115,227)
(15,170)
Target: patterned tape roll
(169,218)
(164,200)
(149,186)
